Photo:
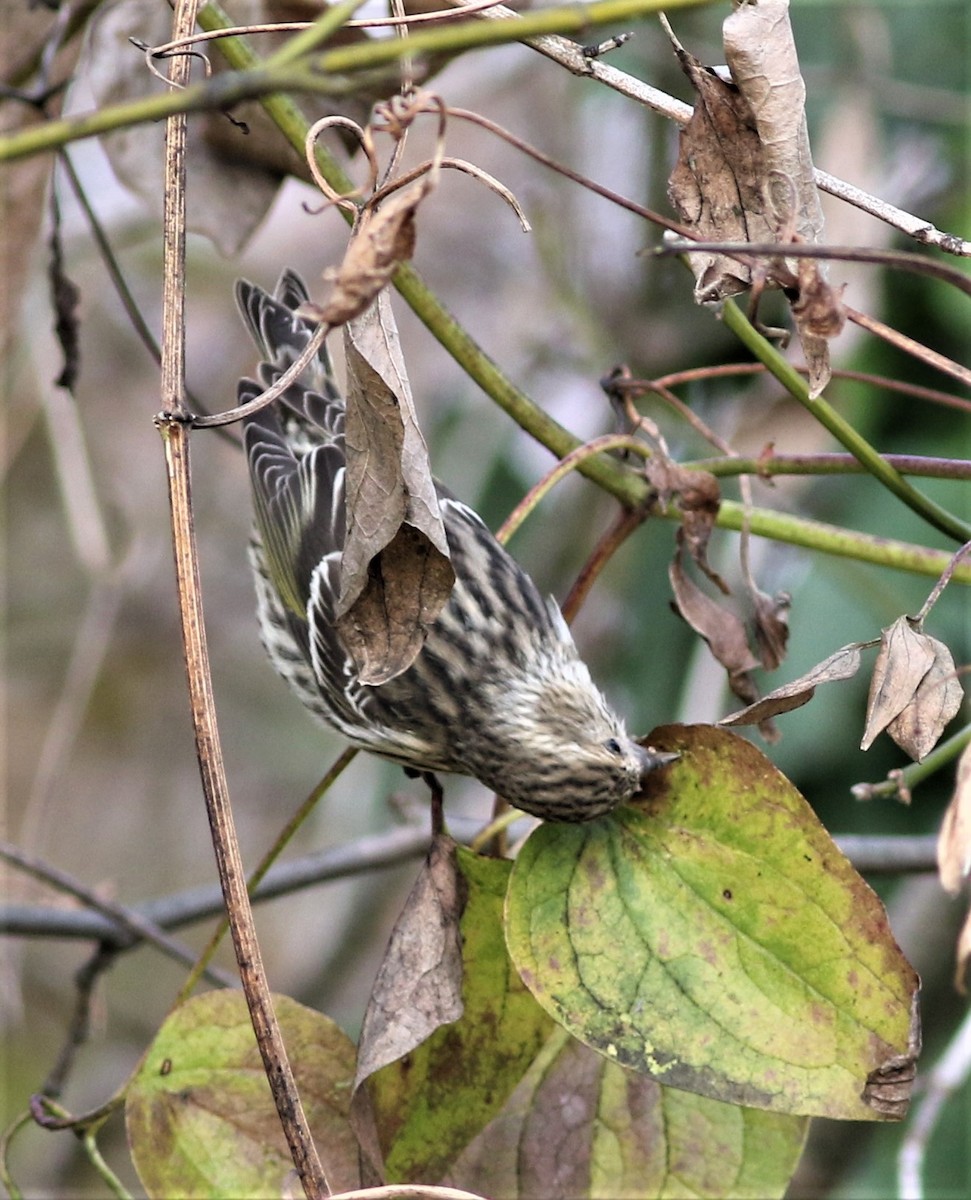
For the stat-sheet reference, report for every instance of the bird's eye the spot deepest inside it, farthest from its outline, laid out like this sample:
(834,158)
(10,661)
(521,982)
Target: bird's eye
(613,746)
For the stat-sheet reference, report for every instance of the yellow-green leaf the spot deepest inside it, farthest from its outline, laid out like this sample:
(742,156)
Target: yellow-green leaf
(200,1117)
(433,1100)
(583,1127)
(717,940)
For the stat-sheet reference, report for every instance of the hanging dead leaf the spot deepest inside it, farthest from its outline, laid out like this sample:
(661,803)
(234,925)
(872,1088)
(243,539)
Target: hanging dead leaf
(918,727)
(395,571)
(418,986)
(954,840)
(716,186)
(722,629)
(760,51)
(904,658)
(842,665)
(381,241)
(698,497)
(819,315)
(771,626)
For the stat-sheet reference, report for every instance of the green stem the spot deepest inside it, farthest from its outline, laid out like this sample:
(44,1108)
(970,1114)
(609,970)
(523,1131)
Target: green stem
(841,429)
(322,73)
(830,464)
(831,539)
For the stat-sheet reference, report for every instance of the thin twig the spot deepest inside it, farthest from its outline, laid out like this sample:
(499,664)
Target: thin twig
(933,513)
(360,857)
(174,428)
(135,926)
(625,523)
(901,341)
(568,54)
(768,465)
(902,781)
(949,1073)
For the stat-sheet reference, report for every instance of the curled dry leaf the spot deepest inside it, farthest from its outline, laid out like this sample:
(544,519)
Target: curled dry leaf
(918,727)
(698,496)
(915,690)
(844,664)
(761,54)
(722,629)
(771,626)
(954,840)
(395,571)
(716,186)
(381,241)
(819,315)
(418,987)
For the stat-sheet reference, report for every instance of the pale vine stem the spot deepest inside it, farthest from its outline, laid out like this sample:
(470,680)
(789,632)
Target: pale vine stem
(174,428)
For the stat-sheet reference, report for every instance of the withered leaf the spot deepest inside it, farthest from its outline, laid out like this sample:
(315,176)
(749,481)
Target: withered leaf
(904,658)
(717,185)
(842,665)
(918,727)
(771,626)
(819,315)
(889,1088)
(722,629)
(698,496)
(418,986)
(954,840)
(760,51)
(395,571)
(380,241)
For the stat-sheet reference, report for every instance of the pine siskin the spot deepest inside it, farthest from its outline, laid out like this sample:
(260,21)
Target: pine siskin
(498,690)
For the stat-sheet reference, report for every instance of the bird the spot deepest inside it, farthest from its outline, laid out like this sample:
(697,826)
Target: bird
(498,691)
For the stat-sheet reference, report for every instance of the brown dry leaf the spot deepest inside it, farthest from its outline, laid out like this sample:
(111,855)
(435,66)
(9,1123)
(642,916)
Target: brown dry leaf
(419,984)
(699,496)
(771,626)
(418,987)
(379,243)
(954,840)
(761,53)
(819,315)
(722,629)
(844,664)
(717,185)
(918,728)
(904,658)
(395,571)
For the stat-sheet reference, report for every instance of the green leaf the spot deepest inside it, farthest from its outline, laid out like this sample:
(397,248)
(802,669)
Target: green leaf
(429,1103)
(200,1117)
(583,1127)
(717,940)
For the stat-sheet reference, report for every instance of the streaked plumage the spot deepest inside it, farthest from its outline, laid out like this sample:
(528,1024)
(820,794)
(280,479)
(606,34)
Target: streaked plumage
(497,692)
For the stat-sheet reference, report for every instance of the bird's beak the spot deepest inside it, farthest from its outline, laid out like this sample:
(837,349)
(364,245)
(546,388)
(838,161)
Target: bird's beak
(651,759)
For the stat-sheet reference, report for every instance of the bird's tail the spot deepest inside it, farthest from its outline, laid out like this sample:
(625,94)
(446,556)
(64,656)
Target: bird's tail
(312,407)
